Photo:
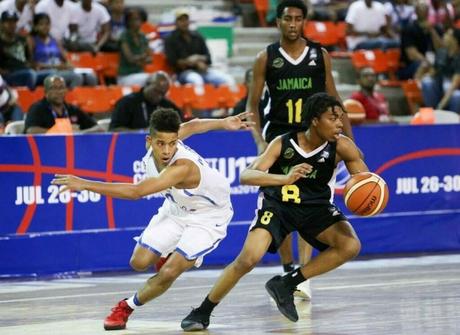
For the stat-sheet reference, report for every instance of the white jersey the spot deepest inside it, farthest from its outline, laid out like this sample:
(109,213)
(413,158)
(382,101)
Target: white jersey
(213,192)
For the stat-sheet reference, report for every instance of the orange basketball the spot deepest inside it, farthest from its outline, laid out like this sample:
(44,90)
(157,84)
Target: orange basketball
(355,111)
(366,194)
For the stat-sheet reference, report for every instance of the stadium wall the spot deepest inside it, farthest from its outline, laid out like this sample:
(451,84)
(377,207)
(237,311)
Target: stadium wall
(45,233)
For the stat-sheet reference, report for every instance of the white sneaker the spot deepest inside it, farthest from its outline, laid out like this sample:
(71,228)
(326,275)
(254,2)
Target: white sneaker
(303,290)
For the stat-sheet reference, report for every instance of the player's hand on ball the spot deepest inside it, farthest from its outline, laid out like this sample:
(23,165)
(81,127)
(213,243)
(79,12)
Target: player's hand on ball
(70,182)
(238,121)
(297,172)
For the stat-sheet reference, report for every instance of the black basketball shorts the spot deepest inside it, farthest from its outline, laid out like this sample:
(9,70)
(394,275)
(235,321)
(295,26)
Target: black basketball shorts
(280,219)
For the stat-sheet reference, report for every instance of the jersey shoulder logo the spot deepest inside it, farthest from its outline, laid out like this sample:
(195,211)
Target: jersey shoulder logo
(278,62)
(288,153)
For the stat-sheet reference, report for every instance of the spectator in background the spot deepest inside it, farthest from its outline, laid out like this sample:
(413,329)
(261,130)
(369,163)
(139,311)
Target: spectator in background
(441,89)
(400,13)
(14,65)
(48,56)
(132,112)
(93,27)
(117,25)
(367,26)
(53,115)
(62,14)
(24,9)
(134,52)
(327,10)
(375,103)
(188,54)
(9,109)
(419,40)
(441,13)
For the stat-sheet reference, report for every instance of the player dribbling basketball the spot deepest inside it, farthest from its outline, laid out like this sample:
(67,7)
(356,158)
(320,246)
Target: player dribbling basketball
(296,175)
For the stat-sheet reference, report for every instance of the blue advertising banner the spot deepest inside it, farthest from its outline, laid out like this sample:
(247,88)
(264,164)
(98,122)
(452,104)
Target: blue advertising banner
(44,232)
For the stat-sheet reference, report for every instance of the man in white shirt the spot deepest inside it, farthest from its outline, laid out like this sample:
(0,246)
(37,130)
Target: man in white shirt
(93,22)
(24,9)
(367,26)
(62,14)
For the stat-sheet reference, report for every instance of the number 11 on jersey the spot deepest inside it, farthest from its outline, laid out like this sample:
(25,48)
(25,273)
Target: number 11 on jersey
(294,111)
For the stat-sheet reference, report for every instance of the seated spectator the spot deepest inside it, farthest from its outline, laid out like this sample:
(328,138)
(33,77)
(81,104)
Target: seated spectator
(327,10)
(400,13)
(135,52)
(367,26)
(93,27)
(441,89)
(374,103)
(188,54)
(24,9)
(117,25)
(441,13)
(419,40)
(63,11)
(48,56)
(14,65)
(9,109)
(52,115)
(132,112)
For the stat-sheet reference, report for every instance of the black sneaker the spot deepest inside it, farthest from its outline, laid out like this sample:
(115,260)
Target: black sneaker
(283,296)
(196,320)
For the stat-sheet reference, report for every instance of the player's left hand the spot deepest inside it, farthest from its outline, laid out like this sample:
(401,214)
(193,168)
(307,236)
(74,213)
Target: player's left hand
(239,121)
(70,182)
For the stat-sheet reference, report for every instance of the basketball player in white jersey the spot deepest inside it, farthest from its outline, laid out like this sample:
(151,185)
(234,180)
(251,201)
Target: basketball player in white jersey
(192,220)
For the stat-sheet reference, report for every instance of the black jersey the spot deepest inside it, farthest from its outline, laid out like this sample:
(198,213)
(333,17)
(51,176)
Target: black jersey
(318,186)
(290,84)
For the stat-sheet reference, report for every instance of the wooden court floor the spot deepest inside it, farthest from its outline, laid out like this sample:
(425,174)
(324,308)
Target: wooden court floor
(416,296)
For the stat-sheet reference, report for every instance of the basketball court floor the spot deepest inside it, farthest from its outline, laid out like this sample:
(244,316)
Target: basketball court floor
(411,296)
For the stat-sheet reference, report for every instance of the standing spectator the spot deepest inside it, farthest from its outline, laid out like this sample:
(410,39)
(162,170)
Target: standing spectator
(419,40)
(14,65)
(188,54)
(375,104)
(134,52)
(9,109)
(48,56)
(53,115)
(93,27)
(132,112)
(24,9)
(441,90)
(367,26)
(117,25)
(62,14)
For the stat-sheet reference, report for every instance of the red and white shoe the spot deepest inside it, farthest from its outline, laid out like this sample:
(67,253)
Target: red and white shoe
(119,316)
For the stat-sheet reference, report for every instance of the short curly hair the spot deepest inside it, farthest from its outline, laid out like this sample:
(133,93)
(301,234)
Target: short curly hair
(164,120)
(316,105)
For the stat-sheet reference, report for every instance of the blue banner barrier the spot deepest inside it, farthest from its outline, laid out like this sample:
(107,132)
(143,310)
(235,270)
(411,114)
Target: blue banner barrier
(45,232)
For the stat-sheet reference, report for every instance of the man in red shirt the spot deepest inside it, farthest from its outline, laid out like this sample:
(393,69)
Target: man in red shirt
(375,103)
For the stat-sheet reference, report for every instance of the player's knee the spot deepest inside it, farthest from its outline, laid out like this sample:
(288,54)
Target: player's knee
(351,248)
(245,264)
(168,274)
(138,264)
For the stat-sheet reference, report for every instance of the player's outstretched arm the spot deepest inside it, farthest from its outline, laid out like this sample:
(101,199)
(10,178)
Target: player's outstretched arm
(170,176)
(256,173)
(197,126)
(351,155)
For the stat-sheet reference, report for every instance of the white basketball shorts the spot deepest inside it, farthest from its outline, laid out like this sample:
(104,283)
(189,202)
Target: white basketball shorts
(192,235)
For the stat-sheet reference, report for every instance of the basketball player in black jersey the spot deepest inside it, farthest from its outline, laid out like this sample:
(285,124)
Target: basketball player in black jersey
(295,174)
(294,68)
